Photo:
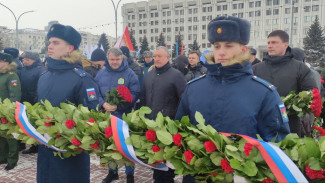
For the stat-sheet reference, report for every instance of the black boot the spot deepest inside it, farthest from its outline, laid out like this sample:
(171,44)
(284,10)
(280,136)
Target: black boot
(31,150)
(129,178)
(21,146)
(10,166)
(110,177)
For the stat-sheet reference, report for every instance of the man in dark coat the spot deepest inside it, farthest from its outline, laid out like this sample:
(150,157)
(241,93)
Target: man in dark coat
(285,73)
(117,73)
(29,75)
(65,81)
(253,58)
(96,62)
(15,55)
(10,88)
(196,67)
(163,87)
(230,97)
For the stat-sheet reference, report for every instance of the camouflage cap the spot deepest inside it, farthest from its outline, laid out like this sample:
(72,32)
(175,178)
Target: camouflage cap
(147,54)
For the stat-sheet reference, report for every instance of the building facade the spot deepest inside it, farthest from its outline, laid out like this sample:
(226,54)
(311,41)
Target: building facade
(35,40)
(190,18)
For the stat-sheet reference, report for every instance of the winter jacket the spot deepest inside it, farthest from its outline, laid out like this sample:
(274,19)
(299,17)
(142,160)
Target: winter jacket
(65,81)
(194,72)
(256,61)
(232,100)
(135,67)
(163,88)
(285,73)
(90,67)
(9,83)
(109,78)
(29,76)
(144,69)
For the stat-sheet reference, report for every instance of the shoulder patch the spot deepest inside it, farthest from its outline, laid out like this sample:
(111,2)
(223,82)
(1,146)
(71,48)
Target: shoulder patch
(265,83)
(197,78)
(11,73)
(79,72)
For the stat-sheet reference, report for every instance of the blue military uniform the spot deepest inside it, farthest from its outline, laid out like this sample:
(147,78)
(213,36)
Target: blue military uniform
(233,100)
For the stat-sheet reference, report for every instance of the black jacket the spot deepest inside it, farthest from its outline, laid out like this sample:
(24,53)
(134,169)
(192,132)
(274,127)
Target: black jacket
(194,72)
(163,88)
(285,73)
(256,61)
(29,76)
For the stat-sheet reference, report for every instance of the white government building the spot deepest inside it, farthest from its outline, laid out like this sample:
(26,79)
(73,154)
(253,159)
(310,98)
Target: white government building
(191,17)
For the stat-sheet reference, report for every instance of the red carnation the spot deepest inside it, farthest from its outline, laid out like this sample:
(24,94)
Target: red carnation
(95,145)
(177,138)
(320,129)
(316,104)
(268,180)
(188,156)
(80,149)
(76,142)
(4,120)
(108,132)
(247,148)
(155,148)
(48,123)
(151,135)
(92,120)
(125,93)
(314,174)
(58,136)
(70,123)
(209,146)
(225,166)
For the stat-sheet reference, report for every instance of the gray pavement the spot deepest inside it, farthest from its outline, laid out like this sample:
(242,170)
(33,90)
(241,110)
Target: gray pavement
(25,172)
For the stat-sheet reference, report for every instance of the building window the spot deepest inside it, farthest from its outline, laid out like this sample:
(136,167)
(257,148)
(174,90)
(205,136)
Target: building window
(204,9)
(315,7)
(189,27)
(287,11)
(275,2)
(169,13)
(195,10)
(251,14)
(251,4)
(181,12)
(140,31)
(203,18)
(209,9)
(203,45)
(268,2)
(258,13)
(181,28)
(307,8)
(268,12)
(176,28)
(195,19)
(204,27)
(258,4)
(190,19)
(164,13)
(156,22)
(295,9)
(189,11)
(209,45)
(176,12)
(195,27)
(151,30)
(151,39)
(204,36)
(169,29)
(152,15)
(169,21)
(287,20)
(307,18)
(234,6)
(218,8)
(240,5)
(275,11)
(240,15)
(287,1)
(156,14)
(275,21)
(190,37)
(164,29)
(224,7)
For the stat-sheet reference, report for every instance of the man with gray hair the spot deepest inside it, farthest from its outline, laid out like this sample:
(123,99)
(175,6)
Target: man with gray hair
(29,75)
(117,73)
(163,87)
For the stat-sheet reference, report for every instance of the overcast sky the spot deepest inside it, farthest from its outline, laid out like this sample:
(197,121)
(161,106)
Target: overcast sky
(83,15)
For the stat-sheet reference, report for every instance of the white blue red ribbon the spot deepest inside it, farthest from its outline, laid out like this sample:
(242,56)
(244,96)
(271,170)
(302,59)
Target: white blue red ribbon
(120,134)
(280,164)
(28,129)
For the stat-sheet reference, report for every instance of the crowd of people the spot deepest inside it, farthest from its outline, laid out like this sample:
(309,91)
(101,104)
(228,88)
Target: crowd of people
(234,91)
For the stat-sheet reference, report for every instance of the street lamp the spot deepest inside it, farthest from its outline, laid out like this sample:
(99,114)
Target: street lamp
(115,9)
(16,20)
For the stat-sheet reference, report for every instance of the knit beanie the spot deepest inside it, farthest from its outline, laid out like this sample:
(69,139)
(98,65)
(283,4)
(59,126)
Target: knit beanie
(98,55)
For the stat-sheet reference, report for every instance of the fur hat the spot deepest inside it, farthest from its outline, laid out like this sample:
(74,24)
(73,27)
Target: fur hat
(31,55)
(125,51)
(253,51)
(229,29)
(147,54)
(67,33)
(98,55)
(12,51)
(6,57)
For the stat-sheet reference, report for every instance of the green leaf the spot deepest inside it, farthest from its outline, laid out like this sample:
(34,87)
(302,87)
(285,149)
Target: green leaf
(201,121)
(165,137)
(235,164)
(159,156)
(116,156)
(150,123)
(231,148)
(249,168)
(195,144)
(312,148)
(160,120)
(216,159)
(296,108)
(172,128)
(314,164)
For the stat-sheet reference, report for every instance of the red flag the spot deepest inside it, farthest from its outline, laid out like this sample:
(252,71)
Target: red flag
(182,50)
(125,40)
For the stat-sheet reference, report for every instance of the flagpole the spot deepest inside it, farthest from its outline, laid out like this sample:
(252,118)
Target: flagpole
(115,9)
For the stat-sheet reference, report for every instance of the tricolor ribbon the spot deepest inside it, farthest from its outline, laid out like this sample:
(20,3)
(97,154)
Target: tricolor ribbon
(28,129)
(120,134)
(280,164)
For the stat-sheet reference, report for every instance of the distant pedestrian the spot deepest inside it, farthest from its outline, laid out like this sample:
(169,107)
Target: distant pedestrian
(195,67)
(253,57)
